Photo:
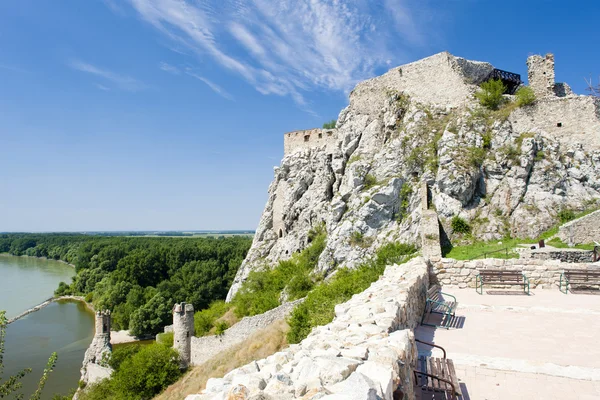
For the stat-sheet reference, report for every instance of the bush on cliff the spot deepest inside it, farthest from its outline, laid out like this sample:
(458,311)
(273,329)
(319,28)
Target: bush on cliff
(263,288)
(318,308)
(525,96)
(330,124)
(490,95)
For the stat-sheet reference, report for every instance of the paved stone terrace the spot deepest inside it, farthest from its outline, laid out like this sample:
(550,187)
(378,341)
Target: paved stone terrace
(543,346)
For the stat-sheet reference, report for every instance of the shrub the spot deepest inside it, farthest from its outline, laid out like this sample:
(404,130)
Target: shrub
(490,95)
(261,291)
(566,215)
(318,308)
(330,124)
(165,339)
(369,182)
(205,320)
(221,327)
(121,353)
(147,373)
(63,290)
(404,200)
(525,96)
(487,139)
(459,225)
(475,156)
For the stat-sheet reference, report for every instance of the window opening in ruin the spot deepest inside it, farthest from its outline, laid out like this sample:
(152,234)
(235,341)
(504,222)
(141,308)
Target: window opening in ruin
(187,334)
(306,138)
(559,125)
(280,233)
(105,328)
(320,136)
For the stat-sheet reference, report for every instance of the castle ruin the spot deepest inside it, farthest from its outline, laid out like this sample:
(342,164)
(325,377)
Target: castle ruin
(183,330)
(95,363)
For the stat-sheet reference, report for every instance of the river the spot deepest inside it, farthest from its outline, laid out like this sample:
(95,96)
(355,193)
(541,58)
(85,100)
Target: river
(64,327)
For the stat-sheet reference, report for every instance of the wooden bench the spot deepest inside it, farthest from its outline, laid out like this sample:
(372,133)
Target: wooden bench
(570,277)
(434,374)
(435,304)
(500,277)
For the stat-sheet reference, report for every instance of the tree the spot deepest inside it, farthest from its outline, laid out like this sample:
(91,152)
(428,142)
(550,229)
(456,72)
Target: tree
(330,124)
(490,95)
(13,384)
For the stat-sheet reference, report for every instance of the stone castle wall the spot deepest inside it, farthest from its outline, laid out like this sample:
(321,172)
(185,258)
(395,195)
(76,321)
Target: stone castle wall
(582,230)
(206,347)
(570,119)
(368,351)
(308,139)
(543,274)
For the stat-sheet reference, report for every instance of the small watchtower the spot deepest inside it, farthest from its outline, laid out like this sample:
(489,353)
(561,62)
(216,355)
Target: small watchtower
(540,72)
(103,323)
(183,330)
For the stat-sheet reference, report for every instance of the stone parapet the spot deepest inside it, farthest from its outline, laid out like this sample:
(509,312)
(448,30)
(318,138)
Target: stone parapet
(543,274)
(368,351)
(582,230)
(206,347)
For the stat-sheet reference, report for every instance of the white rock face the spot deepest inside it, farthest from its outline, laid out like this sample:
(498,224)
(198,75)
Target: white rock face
(420,122)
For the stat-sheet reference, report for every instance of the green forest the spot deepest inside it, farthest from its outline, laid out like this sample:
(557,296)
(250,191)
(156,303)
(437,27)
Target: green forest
(139,278)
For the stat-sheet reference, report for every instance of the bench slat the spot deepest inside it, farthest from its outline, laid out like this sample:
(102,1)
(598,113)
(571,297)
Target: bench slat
(453,377)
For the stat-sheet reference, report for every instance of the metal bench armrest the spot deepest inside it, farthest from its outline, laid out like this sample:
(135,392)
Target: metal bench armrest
(447,294)
(436,377)
(432,345)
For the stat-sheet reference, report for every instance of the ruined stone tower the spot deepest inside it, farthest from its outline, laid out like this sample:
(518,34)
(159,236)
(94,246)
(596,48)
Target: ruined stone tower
(540,72)
(95,363)
(183,330)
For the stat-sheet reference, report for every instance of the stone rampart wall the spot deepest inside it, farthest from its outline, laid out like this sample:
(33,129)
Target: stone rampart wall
(544,274)
(308,139)
(569,119)
(367,352)
(582,230)
(206,347)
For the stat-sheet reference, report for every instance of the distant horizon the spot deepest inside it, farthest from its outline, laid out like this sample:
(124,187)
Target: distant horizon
(144,231)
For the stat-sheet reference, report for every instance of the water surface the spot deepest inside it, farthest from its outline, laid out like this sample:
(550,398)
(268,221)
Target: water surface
(26,282)
(66,327)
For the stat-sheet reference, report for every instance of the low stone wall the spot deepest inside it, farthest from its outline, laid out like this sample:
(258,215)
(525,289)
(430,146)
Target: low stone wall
(582,230)
(206,347)
(541,273)
(367,352)
(565,255)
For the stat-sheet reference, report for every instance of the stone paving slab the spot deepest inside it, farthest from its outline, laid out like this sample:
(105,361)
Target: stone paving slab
(542,346)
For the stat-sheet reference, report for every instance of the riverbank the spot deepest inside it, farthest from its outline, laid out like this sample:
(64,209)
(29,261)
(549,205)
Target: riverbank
(39,258)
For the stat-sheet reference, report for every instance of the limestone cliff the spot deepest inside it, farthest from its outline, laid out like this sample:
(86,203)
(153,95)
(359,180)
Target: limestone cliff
(506,172)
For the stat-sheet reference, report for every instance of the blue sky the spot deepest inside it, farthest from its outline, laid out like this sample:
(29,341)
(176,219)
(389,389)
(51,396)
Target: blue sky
(169,114)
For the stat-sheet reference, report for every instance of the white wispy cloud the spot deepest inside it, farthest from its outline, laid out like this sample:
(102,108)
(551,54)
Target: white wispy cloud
(123,82)
(289,47)
(102,87)
(215,88)
(169,68)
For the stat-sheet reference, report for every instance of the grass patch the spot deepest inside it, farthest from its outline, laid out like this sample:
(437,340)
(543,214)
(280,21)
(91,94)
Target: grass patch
(404,201)
(370,181)
(556,242)
(353,159)
(318,308)
(479,248)
(330,125)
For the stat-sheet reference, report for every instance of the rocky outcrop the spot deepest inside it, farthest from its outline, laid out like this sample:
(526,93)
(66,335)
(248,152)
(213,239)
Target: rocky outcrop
(367,352)
(504,172)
